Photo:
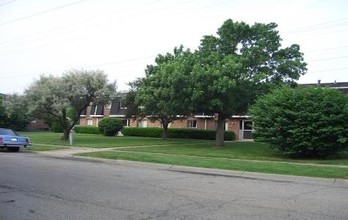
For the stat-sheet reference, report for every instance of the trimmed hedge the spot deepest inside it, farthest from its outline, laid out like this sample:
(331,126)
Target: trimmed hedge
(86,129)
(142,132)
(175,133)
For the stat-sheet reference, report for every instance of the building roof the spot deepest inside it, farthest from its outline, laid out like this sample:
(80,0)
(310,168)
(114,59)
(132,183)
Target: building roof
(342,86)
(116,108)
(97,110)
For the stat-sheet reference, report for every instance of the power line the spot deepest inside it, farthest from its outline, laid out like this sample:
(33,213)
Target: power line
(325,49)
(326,70)
(48,10)
(7,3)
(320,26)
(41,12)
(329,58)
(86,23)
(12,75)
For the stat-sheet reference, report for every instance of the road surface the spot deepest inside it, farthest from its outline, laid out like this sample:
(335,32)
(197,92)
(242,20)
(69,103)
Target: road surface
(34,186)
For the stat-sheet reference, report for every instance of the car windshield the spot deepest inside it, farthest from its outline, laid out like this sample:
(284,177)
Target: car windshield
(4,131)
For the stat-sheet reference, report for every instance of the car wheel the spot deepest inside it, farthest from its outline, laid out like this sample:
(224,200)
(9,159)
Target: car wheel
(13,149)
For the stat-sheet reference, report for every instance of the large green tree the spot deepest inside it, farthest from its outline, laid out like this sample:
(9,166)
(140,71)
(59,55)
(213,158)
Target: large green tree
(64,98)
(133,110)
(164,94)
(302,122)
(233,67)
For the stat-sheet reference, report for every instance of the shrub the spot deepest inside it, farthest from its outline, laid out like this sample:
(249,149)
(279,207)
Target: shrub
(86,129)
(175,133)
(302,122)
(56,127)
(110,126)
(142,132)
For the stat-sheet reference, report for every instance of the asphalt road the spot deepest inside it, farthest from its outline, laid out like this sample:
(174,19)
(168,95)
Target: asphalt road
(39,187)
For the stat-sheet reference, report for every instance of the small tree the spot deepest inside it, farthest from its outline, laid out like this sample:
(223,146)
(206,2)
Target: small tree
(165,92)
(110,126)
(64,98)
(302,122)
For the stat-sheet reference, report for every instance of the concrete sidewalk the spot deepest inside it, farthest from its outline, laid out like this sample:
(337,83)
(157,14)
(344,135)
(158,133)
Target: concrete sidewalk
(70,153)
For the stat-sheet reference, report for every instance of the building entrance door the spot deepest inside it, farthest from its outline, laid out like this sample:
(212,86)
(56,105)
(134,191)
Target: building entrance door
(245,129)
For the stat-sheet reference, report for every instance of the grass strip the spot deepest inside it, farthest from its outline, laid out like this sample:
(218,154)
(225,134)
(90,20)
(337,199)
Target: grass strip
(235,150)
(100,141)
(227,164)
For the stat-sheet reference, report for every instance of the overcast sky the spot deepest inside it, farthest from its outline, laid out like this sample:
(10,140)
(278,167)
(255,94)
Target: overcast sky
(122,37)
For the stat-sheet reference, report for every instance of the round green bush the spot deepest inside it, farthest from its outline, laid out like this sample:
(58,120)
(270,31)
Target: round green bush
(303,122)
(110,126)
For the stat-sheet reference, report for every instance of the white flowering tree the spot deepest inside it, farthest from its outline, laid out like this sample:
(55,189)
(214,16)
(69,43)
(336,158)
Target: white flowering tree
(64,98)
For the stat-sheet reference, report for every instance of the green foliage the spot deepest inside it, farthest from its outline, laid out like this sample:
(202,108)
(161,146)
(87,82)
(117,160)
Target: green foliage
(303,122)
(239,63)
(56,127)
(165,92)
(86,129)
(3,115)
(224,76)
(141,132)
(133,109)
(110,126)
(175,133)
(198,134)
(14,112)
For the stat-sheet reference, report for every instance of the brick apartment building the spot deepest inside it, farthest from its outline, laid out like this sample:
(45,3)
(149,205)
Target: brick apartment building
(241,125)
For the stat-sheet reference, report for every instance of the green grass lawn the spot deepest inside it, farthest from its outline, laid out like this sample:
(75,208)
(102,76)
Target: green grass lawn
(228,164)
(232,150)
(39,139)
(243,156)
(235,150)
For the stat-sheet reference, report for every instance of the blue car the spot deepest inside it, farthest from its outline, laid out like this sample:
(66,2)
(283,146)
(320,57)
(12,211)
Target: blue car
(11,140)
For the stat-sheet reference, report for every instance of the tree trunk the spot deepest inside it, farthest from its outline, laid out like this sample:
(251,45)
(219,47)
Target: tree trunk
(165,132)
(65,136)
(220,129)
(64,125)
(66,132)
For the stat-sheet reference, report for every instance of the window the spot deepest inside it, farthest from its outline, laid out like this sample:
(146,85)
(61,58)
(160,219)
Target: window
(125,122)
(245,129)
(97,110)
(142,124)
(246,125)
(192,124)
(123,103)
(89,122)
(108,105)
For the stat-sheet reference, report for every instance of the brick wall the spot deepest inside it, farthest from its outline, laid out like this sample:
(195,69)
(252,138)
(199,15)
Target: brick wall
(37,125)
(201,123)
